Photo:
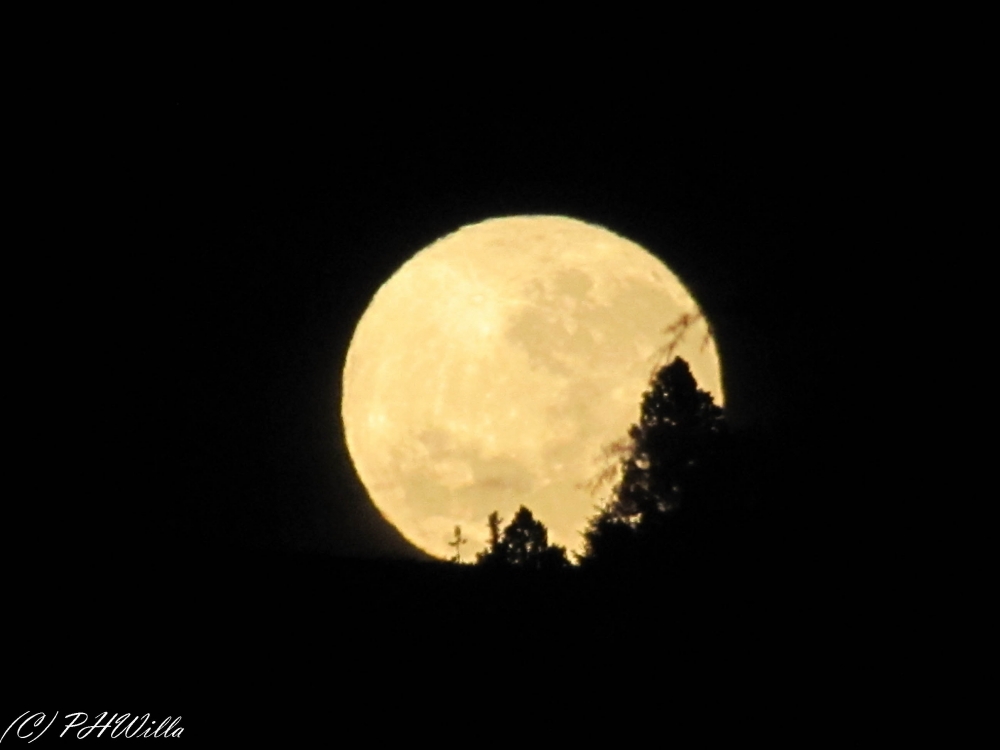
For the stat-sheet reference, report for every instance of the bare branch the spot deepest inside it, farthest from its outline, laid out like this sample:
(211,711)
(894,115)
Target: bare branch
(676,332)
(612,455)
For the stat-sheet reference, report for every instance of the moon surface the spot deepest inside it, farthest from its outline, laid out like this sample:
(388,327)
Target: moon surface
(492,368)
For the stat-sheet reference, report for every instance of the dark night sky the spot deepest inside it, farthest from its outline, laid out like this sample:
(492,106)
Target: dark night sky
(237,239)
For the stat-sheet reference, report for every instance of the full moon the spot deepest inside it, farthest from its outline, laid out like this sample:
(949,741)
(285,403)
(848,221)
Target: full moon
(493,367)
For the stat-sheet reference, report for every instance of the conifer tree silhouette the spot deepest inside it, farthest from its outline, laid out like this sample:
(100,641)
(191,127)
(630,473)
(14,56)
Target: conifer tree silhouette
(524,544)
(669,468)
(457,541)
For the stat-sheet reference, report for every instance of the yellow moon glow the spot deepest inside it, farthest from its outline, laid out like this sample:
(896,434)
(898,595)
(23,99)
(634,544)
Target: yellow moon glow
(495,364)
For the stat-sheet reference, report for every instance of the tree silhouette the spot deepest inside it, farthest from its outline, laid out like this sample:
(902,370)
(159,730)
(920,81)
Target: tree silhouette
(494,522)
(525,538)
(669,470)
(495,553)
(457,543)
(523,544)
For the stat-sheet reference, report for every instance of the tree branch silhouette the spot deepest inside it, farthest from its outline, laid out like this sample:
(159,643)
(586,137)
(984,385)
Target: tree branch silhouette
(614,453)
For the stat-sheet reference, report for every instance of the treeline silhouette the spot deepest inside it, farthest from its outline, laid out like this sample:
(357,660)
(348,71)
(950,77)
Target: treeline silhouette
(674,493)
